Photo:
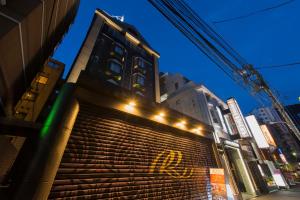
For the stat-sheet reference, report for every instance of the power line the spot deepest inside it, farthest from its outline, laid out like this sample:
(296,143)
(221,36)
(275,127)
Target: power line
(254,12)
(279,66)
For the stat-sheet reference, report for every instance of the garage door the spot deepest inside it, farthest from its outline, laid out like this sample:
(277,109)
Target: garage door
(112,155)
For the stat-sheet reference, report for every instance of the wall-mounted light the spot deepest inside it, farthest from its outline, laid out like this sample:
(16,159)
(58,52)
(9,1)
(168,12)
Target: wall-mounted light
(181,124)
(160,117)
(130,107)
(197,130)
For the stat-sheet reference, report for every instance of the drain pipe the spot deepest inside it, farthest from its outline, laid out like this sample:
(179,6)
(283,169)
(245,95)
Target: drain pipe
(53,138)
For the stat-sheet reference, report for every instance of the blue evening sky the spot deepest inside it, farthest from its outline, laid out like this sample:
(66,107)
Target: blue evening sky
(265,39)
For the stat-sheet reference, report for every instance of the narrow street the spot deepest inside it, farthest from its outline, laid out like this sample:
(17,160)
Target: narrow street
(291,194)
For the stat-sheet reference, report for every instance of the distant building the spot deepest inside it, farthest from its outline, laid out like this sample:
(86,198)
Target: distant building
(294,113)
(283,137)
(169,83)
(115,52)
(29,33)
(266,115)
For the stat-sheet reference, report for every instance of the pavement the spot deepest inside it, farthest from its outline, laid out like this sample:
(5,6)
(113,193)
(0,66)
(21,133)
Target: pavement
(290,194)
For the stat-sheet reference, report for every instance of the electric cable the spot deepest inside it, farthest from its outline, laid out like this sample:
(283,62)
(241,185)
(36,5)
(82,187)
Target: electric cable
(279,66)
(254,12)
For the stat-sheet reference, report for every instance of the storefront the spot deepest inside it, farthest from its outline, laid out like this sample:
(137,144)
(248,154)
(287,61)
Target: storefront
(239,168)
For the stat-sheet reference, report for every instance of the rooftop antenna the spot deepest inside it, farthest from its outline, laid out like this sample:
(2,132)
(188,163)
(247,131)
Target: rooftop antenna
(120,18)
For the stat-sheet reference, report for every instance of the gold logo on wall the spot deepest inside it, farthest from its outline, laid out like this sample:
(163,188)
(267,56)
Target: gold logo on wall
(170,164)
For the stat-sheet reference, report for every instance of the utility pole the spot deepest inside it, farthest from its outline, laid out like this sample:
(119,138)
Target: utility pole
(261,85)
(187,21)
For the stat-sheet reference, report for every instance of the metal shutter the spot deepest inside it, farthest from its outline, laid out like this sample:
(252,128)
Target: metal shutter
(112,157)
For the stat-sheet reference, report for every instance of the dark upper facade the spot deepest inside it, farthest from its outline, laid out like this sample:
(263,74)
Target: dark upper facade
(294,113)
(30,31)
(115,52)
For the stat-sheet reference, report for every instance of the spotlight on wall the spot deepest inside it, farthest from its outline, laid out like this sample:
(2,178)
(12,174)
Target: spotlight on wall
(181,124)
(197,130)
(160,117)
(130,106)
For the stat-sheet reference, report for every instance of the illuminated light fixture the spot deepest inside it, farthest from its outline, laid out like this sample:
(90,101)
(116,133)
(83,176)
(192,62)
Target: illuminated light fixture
(197,130)
(181,124)
(130,107)
(160,117)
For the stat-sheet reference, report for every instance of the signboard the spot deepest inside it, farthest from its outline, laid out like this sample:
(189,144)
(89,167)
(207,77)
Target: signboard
(268,135)
(218,186)
(257,132)
(238,118)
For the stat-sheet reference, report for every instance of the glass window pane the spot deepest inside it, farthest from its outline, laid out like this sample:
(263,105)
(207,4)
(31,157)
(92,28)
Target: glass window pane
(119,50)
(115,67)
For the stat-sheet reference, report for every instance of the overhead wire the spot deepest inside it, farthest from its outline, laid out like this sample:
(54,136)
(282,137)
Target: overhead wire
(177,18)
(209,52)
(190,36)
(279,66)
(215,35)
(254,12)
(202,38)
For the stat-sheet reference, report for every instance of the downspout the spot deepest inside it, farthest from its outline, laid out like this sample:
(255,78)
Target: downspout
(53,139)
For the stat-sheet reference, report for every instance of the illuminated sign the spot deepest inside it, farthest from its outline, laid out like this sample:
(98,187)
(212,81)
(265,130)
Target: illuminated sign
(217,181)
(171,162)
(268,135)
(238,118)
(257,132)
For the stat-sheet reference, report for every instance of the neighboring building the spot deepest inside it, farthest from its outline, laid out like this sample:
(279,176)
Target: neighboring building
(30,31)
(294,113)
(249,146)
(29,109)
(266,153)
(169,83)
(115,52)
(42,86)
(282,135)
(200,103)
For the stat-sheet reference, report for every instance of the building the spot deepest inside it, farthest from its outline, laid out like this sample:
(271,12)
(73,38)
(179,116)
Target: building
(115,52)
(282,135)
(104,138)
(294,113)
(200,103)
(30,31)
(169,83)
(267,154)
(29,109)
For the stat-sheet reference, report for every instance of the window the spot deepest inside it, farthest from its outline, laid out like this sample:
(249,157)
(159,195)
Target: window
(42,79)
(141,63)
(193,103)
(176,86)
(115,66)
(95,59)
(139,81)
(119,50)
